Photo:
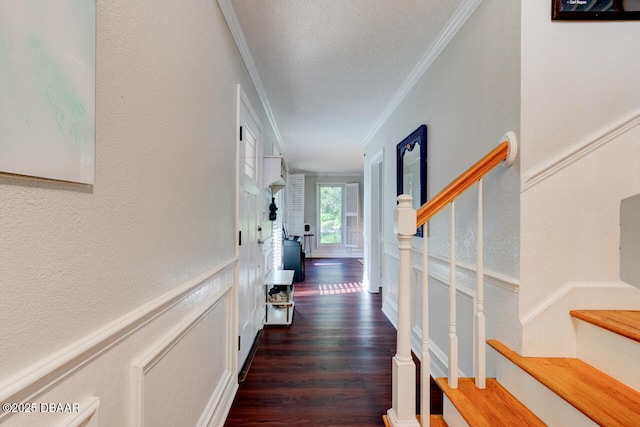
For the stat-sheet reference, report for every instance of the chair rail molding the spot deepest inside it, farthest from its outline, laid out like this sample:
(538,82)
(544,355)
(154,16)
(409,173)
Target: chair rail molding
(589,145)
(164,346)
(39,378)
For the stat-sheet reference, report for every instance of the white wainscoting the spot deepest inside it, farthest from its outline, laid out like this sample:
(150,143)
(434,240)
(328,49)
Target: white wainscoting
(390,259)
(185,334)
(500,306)
(182,361)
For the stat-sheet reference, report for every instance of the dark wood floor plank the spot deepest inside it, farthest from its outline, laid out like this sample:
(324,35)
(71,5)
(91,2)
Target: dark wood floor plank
(332,366)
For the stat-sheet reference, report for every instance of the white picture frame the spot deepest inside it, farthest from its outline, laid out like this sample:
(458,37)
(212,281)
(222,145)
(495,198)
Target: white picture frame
(47,87)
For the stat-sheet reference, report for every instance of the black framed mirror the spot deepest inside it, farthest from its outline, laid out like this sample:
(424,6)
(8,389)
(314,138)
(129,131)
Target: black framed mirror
(411,158)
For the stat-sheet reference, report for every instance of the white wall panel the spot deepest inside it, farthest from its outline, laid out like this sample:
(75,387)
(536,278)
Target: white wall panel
(187,329)
(176,380)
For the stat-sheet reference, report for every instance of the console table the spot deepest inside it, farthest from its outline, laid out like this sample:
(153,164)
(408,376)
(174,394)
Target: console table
(278,296)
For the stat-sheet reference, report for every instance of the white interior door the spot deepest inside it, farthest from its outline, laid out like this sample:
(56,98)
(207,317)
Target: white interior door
(250,287)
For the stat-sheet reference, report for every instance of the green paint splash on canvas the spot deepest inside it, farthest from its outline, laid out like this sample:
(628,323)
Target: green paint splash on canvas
(5,65)
(59,94)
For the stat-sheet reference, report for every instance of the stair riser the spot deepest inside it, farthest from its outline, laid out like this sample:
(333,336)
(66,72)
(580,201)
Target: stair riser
(613,354)
(452,417)
(549,407)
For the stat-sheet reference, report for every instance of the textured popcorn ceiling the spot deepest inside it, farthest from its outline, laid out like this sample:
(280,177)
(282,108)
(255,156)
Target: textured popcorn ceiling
(330,68)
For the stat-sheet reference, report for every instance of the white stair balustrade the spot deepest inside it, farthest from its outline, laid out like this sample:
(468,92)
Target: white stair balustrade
(406,220)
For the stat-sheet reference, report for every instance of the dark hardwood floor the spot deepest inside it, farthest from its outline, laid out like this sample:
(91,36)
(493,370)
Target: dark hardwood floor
(332,366)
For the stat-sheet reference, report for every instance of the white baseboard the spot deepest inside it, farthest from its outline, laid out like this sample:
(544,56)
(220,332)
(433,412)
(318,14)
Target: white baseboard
(219,405)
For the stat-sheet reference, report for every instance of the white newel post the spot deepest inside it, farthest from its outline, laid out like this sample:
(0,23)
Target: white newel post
(403,410)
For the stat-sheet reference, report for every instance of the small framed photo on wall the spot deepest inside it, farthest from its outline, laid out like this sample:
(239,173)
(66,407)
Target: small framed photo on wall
(595,9)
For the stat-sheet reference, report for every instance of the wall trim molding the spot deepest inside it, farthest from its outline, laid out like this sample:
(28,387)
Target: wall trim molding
(50,371)
(439,358)
(90,409)
(461,15)
(390,309)
(568,288)
(218,406)
(461,291)
(500,280)
(585,148)
(553,313)
(164,346)
(508,283)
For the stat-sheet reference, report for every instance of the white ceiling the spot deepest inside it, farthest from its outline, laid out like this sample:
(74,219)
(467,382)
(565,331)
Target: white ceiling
(328,71)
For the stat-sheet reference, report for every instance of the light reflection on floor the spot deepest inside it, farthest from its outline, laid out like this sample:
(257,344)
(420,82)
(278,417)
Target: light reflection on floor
(340,288)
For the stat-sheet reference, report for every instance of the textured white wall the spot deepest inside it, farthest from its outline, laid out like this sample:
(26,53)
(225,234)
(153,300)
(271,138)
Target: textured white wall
(76,258)
(469,98)
(578,79)
(579,82)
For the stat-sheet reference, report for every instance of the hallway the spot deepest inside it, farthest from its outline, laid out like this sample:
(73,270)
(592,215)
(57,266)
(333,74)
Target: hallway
(332,367)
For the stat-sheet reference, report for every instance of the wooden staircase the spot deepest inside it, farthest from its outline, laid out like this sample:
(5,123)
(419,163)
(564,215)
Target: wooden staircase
(599,387)
(537,391)
(558,391)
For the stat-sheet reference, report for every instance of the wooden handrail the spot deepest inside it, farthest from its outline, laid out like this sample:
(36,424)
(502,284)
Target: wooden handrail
(463,182)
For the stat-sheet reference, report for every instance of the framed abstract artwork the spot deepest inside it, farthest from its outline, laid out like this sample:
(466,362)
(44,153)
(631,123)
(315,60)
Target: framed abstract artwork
(47,82)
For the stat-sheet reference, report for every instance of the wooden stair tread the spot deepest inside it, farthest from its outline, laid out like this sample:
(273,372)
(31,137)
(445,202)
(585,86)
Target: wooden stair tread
(600,397)
(434,421)
(493,406)
(622,322)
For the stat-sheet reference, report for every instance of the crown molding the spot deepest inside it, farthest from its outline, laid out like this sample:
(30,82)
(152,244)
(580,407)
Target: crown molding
(230,16)
(462,14)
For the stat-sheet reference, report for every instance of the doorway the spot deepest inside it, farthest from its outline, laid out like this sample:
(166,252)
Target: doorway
(375,226)
(249,291)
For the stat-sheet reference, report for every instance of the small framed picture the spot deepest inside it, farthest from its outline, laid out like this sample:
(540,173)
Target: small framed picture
(595,9)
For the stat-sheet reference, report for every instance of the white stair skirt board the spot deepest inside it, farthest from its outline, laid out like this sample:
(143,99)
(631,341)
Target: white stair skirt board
(613,354)
(549,407)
